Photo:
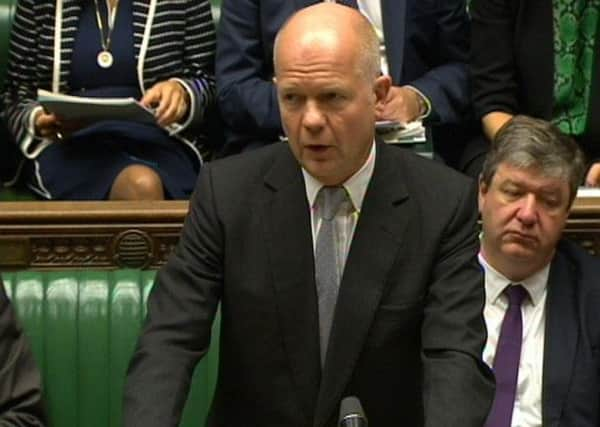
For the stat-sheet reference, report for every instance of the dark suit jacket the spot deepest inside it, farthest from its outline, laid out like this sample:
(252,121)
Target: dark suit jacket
(408,328)
(20,382)
(571,378)
(512,60)
(427,47)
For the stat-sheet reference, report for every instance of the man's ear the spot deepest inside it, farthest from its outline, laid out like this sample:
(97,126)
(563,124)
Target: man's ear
(483,189)
(381,88)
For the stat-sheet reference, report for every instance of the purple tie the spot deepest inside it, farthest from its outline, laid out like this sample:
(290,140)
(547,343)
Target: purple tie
(506,362)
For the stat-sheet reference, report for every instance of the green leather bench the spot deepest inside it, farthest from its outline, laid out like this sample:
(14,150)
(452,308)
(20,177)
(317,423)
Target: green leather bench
(83,326)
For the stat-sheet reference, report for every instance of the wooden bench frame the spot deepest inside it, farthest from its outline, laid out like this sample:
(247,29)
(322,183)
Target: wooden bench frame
(100,235)
(108,235)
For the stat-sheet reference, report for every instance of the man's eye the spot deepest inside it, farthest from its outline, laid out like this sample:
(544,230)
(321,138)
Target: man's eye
(551,202)
(291,98)
(333,96)
(511,192)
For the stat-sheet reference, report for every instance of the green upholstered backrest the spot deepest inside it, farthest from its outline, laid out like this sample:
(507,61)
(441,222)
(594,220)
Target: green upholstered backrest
(7,10)
(83,326)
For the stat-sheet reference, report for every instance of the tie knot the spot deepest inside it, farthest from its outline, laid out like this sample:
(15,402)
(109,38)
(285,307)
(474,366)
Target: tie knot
(331,198)
(516,294)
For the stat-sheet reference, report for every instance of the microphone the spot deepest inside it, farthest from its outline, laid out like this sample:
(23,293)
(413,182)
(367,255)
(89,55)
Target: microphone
(351,413)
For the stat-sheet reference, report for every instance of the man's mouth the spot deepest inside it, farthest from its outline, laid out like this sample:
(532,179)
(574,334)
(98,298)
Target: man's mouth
(318,148)
(521,237)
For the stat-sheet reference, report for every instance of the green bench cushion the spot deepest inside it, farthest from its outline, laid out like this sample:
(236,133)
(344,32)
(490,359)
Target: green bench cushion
(83,326)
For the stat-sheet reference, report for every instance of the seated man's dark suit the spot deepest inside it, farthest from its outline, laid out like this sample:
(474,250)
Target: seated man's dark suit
(20,381)
(427,47)
(571,377)
(408,328)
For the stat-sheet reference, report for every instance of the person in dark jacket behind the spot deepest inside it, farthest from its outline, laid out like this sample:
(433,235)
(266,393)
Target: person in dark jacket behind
(20,382)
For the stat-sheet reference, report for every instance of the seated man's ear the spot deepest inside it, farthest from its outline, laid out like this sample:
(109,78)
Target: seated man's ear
(482,191)
(382,87)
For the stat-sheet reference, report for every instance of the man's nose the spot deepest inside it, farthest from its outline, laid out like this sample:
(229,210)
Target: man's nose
(527,213)
(313,118)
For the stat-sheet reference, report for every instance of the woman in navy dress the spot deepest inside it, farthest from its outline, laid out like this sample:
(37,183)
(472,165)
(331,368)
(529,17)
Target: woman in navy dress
(158,51)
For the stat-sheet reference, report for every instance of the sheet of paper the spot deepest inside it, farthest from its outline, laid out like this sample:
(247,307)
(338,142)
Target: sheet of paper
(92,110)
(401,133)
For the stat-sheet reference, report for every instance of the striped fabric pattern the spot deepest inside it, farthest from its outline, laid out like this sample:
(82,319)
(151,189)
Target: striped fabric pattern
(173,39)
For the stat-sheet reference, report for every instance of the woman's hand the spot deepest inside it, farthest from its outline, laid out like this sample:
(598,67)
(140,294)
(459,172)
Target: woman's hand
(592,178)
(170,101)
(46,125)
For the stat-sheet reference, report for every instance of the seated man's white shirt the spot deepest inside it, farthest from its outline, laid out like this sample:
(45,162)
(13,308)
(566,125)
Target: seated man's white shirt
(372,10)
(528,400)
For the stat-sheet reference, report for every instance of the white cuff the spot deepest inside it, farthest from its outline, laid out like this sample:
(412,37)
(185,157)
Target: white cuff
(425,99)
(30,137)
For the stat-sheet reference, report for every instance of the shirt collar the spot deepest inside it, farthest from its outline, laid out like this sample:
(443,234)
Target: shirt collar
(495,282)
(356,185)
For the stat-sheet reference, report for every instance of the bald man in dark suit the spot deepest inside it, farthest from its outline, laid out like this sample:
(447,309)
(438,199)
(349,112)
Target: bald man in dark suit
(405,330)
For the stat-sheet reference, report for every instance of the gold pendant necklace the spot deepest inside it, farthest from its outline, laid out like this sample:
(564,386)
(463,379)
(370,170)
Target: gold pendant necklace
(105,58)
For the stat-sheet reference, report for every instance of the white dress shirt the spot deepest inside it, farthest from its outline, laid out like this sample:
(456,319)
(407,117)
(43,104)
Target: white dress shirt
(528,399)
(347,216)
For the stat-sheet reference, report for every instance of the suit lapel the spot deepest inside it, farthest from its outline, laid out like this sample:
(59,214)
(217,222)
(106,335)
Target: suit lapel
(289,242)
(143,18)
(67,16)
(393,14)
(560,341)
(377,241)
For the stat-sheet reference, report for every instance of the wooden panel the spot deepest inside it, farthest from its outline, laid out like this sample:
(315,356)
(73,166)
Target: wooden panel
(108,235)
(100,235)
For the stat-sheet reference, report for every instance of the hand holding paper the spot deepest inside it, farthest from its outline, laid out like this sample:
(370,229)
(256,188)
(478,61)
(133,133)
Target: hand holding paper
(402,105)
(170,101)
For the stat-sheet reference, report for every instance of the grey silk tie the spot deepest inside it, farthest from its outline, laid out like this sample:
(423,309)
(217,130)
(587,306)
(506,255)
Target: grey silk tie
(327,273)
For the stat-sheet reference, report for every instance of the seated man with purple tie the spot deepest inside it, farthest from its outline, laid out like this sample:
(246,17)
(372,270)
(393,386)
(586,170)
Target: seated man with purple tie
(542,292)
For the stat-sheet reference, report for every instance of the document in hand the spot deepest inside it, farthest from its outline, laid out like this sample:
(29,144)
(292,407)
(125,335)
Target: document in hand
(91,110)
(401,133)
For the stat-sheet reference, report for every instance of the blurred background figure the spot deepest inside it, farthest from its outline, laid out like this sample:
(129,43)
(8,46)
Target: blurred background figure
(20,382)
(539,58)
(158,51)
(424,47)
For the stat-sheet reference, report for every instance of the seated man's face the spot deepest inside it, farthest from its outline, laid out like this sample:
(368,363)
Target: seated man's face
(327,106)
(523,215)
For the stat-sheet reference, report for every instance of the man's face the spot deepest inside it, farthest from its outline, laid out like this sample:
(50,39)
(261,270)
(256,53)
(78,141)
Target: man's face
(523,215)
(327,108)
